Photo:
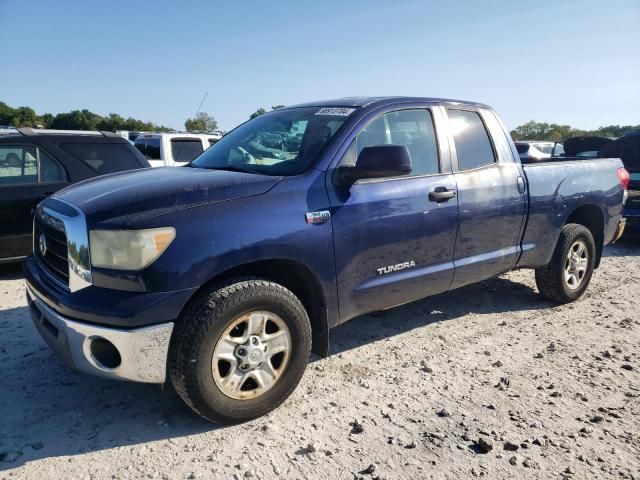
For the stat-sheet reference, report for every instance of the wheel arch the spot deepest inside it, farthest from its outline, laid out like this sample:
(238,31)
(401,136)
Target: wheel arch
(591,217)
(296,277)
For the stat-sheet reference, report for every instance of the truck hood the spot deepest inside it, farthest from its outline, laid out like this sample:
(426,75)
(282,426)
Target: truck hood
(125,198)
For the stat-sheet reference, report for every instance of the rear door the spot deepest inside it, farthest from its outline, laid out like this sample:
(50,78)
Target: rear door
(28,174)
(393,244)
(491,196)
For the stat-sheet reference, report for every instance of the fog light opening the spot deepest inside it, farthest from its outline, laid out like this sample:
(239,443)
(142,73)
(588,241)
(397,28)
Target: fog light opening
(105,353)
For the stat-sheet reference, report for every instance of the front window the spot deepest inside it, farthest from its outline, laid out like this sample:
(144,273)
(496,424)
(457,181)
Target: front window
(284,142)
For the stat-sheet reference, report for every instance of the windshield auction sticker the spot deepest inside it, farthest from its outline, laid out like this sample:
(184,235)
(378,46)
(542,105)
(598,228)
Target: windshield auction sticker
(335,111)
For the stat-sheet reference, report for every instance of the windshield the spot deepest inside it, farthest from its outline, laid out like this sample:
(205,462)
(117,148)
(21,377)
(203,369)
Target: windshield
(284,142)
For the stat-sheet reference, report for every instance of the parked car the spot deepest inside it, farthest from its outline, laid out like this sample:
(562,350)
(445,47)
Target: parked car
(537,150)
(227,273)
(627,148)
(36,163)
(173,149)
(129,135)
(273,140)
(584,147)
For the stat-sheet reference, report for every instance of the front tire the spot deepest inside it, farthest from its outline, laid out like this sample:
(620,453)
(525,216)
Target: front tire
(239,350)
(566,277)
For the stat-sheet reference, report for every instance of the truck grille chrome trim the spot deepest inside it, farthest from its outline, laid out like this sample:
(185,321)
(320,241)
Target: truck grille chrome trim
(58,228)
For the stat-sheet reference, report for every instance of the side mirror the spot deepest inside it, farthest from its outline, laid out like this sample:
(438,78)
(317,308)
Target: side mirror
(379,161)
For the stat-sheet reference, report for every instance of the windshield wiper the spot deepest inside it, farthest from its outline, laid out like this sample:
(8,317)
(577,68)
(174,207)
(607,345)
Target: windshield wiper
(230,168)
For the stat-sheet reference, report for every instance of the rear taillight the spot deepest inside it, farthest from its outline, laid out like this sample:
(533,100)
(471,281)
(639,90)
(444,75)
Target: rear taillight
(624,178)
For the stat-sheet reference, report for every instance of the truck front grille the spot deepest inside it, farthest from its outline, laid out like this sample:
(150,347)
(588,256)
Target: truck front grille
(55,258)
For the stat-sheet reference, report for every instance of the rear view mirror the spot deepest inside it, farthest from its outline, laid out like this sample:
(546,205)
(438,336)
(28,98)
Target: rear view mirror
(379,161)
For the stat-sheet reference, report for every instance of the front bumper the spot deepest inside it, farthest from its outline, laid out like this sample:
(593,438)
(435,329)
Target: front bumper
(140,354)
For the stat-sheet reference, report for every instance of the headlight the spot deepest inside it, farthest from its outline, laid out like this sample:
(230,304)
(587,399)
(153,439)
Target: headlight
(128,249)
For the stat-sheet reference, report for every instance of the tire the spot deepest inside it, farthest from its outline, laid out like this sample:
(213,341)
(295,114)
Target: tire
(554,279)
(220,318)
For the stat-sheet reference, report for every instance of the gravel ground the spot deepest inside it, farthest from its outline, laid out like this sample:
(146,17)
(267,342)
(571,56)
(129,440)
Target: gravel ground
(490,380)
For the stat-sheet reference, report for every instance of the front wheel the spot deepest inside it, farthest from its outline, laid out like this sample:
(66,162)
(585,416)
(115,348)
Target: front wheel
(566,277)
(239,350)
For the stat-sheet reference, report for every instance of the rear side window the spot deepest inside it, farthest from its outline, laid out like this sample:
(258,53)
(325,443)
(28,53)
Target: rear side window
(473,146)
(104,157)
(149,147)
(18,165)
(522,147)
(412,128)
(50,171)
(183,150)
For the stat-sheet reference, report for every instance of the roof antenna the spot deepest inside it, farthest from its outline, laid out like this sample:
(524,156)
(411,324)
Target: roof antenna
(200,106)
(197,112)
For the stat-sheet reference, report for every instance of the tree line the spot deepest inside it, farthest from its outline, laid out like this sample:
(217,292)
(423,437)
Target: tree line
(557,133)
(203,122)
(73,120)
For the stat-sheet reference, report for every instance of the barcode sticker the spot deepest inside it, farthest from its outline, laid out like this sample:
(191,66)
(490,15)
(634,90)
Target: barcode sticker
(336,111)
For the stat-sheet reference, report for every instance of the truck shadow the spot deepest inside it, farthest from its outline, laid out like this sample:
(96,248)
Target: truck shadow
(498,295)
(627,246)
(50,410)
(11,271)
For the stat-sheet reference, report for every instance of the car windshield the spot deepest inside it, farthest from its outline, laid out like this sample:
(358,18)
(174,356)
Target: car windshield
(284,142)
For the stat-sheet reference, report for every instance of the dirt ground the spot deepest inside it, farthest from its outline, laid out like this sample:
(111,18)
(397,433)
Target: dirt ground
(490,380)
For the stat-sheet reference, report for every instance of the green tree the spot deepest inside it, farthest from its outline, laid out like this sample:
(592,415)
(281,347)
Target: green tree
(257,113)
(47,120)
(111,123)
(277,107)
(202,122)
(74,120)
(557,133)
(6,114)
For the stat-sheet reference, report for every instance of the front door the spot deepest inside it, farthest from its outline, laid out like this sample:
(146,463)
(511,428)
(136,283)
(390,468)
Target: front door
(394,241)
(27,176)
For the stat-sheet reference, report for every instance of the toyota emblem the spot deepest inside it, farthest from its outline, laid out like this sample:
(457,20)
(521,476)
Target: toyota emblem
(42,244)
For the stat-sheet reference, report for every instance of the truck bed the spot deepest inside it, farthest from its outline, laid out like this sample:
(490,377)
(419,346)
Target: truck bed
(557,186)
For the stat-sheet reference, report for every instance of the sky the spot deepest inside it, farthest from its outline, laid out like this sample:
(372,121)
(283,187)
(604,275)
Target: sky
(562,61)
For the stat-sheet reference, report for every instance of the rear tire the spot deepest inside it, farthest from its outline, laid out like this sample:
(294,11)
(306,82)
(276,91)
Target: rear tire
(566,277)
(222,361)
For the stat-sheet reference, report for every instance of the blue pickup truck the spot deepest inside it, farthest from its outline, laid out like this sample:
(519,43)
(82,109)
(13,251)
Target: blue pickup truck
(223,275)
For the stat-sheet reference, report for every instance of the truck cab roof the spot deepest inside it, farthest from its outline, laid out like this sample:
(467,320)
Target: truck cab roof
(380,101)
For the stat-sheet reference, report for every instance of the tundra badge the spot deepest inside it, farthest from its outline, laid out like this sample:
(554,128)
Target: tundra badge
(396,267)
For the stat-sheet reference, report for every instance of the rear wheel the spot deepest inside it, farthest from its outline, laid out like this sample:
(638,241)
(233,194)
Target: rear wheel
(239,350)
(566,277)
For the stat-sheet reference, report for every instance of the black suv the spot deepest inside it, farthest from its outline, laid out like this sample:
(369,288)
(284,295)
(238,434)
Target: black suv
(36,163)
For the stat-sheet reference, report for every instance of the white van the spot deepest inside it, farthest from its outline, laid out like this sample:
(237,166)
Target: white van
(173,149)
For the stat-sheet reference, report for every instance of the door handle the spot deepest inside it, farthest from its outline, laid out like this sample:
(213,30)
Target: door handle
(441,194)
